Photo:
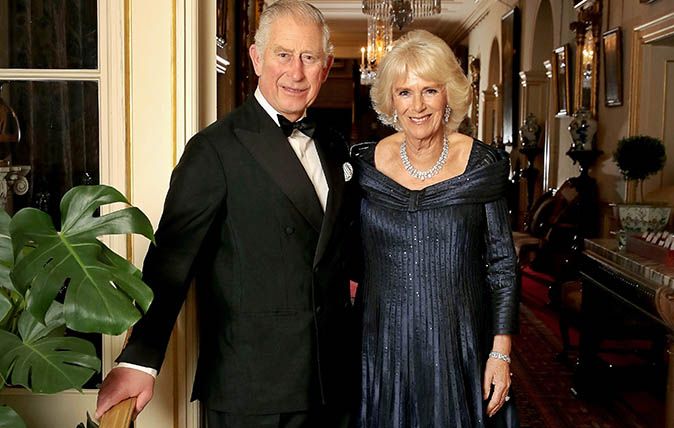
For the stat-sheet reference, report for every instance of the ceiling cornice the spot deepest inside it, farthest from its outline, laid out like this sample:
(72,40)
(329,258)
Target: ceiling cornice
(348,23)
(342,8)
(467,25)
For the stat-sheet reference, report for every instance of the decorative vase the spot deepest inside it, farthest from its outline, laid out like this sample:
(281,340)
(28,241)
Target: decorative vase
(530,131)
(639,218)
(582,129)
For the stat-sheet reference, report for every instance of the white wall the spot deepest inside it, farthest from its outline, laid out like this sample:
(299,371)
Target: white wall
(152,146)
(171,96)
(613,121)
(479,42)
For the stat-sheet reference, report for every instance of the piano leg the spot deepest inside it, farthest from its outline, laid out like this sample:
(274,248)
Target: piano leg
(669,398)
(664,302)
(590,374)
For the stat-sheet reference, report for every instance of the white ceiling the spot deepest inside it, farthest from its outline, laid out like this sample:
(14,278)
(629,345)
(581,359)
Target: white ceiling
(348,24)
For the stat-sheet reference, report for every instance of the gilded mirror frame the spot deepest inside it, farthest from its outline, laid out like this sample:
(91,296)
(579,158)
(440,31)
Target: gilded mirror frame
(561,80)
(588,38)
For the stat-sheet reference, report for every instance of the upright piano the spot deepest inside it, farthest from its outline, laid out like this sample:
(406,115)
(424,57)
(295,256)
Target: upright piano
(621,292)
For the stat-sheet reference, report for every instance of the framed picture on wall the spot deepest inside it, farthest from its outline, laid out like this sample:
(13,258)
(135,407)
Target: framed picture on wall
(561,80)
(613,74)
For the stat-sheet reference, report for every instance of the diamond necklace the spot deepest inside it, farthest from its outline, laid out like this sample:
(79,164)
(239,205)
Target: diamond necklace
(423,175)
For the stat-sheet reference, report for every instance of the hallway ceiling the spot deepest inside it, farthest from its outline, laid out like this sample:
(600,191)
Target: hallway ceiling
(349,24)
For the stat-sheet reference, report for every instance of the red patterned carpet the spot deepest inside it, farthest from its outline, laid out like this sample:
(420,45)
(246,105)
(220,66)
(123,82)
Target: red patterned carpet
(542,387)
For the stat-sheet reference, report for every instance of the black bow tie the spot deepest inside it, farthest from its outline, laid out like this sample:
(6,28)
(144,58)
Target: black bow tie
(305,126)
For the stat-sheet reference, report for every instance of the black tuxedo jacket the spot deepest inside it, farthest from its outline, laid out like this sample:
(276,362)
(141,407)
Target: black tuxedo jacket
(275,317)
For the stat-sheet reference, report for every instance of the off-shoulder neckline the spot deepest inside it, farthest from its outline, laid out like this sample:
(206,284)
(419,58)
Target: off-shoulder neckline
(369,162)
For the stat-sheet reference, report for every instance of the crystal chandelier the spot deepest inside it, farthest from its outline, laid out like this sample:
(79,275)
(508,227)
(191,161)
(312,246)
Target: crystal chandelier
(401,12)
(379,42)
(382,15)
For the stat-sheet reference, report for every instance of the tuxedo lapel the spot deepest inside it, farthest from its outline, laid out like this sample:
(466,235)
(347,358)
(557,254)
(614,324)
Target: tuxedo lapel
(270,148)
(335,177)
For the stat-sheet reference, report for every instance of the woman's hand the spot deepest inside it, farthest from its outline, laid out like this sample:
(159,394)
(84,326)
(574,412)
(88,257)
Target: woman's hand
(497,373)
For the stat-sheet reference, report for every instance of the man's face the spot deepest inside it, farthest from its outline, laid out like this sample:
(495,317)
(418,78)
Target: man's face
(292,68)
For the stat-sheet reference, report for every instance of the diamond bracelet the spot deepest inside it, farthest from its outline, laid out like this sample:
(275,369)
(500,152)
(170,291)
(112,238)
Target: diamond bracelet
(499,356)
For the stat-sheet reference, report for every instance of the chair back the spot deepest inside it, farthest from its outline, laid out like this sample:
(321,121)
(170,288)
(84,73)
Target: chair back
(536,220)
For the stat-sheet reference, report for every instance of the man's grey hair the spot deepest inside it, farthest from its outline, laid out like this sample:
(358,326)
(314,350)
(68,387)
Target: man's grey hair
(297,9)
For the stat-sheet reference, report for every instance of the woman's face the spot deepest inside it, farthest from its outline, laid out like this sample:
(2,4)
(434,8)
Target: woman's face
(420,105)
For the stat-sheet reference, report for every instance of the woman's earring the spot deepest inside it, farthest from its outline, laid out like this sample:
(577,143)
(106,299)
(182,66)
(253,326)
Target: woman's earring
(448,112)
(394,118)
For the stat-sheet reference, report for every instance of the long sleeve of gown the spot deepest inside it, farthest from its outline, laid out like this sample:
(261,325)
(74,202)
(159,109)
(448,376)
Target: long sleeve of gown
(501,268)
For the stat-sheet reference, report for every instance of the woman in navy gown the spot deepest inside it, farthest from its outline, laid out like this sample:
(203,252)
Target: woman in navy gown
(439,288)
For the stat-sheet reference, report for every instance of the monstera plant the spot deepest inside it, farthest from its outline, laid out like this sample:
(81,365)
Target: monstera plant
(53,281)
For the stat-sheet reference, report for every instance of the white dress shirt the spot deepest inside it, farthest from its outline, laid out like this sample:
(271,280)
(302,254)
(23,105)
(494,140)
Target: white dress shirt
(305,149)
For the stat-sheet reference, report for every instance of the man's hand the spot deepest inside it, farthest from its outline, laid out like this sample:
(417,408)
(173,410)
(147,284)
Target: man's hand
(122,383)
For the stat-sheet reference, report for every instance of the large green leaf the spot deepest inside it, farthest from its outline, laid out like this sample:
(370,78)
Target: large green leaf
(10,419)
(31,330)
(6,264)
(5,305)
(6,253)
(104,293)
(49,364)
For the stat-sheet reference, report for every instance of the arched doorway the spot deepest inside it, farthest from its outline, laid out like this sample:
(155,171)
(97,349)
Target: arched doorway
(492,119)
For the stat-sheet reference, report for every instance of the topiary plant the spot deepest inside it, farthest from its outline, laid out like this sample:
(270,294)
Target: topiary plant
(638,157)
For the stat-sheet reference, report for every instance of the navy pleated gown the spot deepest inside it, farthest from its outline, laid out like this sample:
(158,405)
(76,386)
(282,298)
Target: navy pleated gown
(438,283)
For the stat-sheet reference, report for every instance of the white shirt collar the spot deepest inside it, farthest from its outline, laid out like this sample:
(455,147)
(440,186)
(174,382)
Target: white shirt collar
(271,111)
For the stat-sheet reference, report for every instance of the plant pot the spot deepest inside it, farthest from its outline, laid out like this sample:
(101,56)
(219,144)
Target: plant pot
(643,217)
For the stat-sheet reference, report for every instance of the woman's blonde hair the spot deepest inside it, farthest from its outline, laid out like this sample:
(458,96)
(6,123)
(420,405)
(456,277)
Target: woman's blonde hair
(427,56)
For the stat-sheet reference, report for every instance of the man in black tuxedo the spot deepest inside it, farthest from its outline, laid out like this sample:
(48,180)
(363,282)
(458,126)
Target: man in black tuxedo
(259,211)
